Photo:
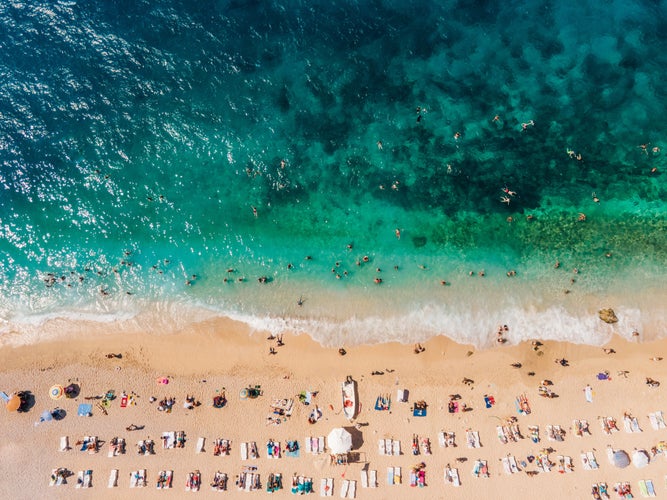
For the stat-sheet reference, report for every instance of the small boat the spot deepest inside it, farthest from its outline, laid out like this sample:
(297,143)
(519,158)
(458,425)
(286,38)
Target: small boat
(349,398)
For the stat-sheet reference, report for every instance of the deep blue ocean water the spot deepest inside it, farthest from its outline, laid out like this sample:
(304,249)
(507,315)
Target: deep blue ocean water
(161,156)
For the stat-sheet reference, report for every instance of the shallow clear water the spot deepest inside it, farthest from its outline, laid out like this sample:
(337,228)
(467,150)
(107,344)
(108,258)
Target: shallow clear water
(136,138)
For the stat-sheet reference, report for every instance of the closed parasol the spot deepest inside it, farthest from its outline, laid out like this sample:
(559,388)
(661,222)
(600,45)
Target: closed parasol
(14,403)
(339,440)
(56,391)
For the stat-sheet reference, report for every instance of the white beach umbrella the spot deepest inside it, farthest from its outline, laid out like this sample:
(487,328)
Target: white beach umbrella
(640,458)
(339,441)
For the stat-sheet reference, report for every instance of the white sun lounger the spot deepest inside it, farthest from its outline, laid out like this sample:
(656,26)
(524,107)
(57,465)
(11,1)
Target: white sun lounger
(452,476)
(396,447)
(661,421)
(64,444)
(381,447)
(352,490)
(321,444)
(654,421)
(344,485)
(513,466)
(79,479)
(390,475)
(308,444)
(364,478)
(472,437)
(324,491)
(441,439)
(506,466)
(133,479)
(397,475)
(243,447)
(373,479)
(585,462)
(170,440)
(592,460)
(113,478)
(88,479)
(502,436)
(200,445)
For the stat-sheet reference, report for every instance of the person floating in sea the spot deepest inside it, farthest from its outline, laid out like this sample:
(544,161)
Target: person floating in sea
(254,211)
(505,199)
(525,125)
(397,232)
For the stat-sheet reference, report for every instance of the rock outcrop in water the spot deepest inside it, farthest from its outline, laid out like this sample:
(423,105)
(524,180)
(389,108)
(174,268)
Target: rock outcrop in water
(608,316)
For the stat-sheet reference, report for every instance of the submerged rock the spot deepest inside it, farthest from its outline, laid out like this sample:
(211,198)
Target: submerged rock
(608,316)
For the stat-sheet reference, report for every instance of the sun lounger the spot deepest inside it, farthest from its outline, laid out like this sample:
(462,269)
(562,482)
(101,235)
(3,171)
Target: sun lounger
(344,485)
(372,479)
(64,444)
(642,488)
(502,437)
(592,460)
(397,475)
(168,439)
(352,490)
(200,445)
(364,478)
(243,447)
(324,491)
(513,465)
(516,433)
(113,478)
(442,442)
(584,462)
(506,466)
(88,479)
(133,479)
(320,444)
(79,479)
(453,475)
(396,447)
(390,475)
(650,488)
(661,421)
(472,437)
(381,447)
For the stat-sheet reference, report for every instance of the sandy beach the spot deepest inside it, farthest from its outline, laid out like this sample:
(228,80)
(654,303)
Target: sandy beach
(220,354)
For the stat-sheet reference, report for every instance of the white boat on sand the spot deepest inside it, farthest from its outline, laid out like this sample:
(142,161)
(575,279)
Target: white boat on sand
(349,398)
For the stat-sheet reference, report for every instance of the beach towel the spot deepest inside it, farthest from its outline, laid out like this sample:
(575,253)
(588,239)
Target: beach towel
(419,412)
(397,475)
(85,410)
(123,400)
(588,393)
(489,401)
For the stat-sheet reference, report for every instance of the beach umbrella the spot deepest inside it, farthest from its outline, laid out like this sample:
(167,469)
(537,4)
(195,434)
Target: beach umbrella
(640,459)
(339,440)
(56,392)
(620,459)
(14,403)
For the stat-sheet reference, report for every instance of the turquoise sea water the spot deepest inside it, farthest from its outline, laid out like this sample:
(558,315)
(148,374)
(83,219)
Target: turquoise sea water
(136,138)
